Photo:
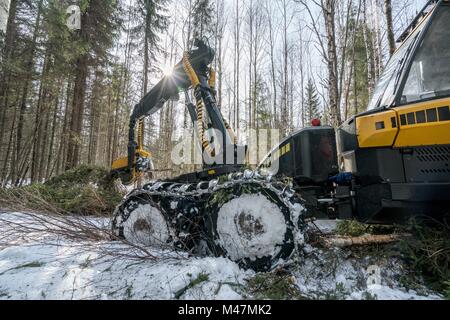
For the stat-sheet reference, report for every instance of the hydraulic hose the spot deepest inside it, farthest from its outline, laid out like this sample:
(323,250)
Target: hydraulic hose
(199,104)
(140,138)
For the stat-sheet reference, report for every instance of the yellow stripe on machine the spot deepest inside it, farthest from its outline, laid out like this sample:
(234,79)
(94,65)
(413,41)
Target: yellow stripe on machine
(377,130)
(424,124)
(419,124)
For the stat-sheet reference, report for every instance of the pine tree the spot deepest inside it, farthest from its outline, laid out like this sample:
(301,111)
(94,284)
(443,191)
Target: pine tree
(360,93)
(98,30)
(17,71)
(152,22)
(312,102)
(202,16)
(262,98)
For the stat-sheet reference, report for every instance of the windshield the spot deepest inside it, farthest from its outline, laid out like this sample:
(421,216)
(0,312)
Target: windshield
(429,76)
(384,90)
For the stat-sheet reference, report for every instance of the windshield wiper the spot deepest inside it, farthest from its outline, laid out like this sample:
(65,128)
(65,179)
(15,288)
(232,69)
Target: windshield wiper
(436,93)
(428,95)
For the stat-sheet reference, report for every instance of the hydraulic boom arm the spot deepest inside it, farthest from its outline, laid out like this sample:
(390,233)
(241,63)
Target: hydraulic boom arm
(191,72)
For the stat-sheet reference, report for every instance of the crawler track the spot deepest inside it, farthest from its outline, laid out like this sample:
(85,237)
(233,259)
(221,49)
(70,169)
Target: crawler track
(253,220)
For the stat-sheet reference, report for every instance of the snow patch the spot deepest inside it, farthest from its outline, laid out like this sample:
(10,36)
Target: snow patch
(48,267)
(336,274)
(49,272)
(146,225)
(61,269)
(251,226)
(325,226)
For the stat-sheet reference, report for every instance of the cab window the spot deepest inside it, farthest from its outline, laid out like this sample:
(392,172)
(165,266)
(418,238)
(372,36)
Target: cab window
(429,76)
(384,90)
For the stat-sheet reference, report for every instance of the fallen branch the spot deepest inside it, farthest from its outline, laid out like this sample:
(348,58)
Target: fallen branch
(341,242)
(46,224)
(202,277)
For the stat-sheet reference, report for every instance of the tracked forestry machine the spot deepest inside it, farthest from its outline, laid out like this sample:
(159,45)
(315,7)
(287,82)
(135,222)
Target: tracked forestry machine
(385,165)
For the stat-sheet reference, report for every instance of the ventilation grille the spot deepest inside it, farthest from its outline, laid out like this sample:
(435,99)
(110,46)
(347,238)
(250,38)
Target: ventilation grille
(433,154)
(435,170)
(428,164)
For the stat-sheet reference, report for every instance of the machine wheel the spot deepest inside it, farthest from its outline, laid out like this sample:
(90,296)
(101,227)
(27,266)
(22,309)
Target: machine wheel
(141,221)
(250,225)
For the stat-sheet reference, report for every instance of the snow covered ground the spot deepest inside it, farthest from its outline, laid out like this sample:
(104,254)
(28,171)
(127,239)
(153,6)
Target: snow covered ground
(60,269)
(49,267)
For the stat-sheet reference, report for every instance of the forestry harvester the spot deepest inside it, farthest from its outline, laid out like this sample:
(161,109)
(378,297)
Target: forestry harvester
(384,165)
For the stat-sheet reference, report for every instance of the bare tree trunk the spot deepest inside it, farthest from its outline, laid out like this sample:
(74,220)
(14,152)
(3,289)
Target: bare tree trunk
(117,112)
(35,155)
(62,154)
(258,37)
(53,148)
(110,130)
(45,135)
(95,117)
(221,22)
(329,14)
(8,151)
(355,91)
(23,103)
(342,71)
(78,102)
(146,68)
(7,53)
(51,154)
(302,77)
(352,67)
(250,54)
(237,71)
(370,52)
(389,25)
(284,100)
(377,40)
(291,95)
(74,146)
(272,66)
(79,91)
(146,60)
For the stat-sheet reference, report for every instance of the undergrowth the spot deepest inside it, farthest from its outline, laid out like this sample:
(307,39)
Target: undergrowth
(427,254)
(353,228)
(273,286)
(447,291)
(85,190)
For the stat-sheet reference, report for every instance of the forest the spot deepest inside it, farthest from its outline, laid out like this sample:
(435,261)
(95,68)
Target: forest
(66,95)
(94,203)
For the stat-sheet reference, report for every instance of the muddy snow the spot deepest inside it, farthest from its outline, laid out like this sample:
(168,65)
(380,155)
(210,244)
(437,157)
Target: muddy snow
(50,267)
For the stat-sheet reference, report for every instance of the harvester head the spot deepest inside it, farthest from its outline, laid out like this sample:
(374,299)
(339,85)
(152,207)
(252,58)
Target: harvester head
(129,174)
